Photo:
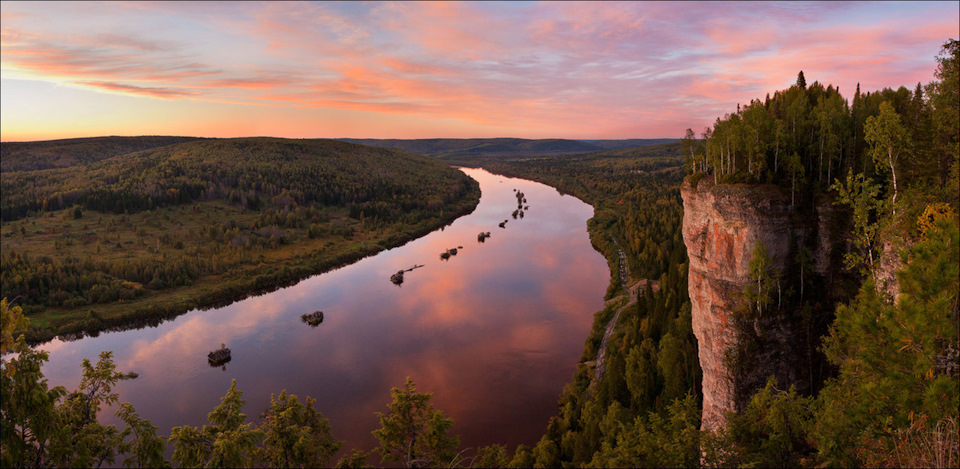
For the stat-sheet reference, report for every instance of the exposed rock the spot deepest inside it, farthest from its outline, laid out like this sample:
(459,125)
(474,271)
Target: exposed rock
(721,224)
(889,264)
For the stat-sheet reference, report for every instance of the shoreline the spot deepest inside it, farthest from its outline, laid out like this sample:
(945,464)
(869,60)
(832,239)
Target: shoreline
(153,311)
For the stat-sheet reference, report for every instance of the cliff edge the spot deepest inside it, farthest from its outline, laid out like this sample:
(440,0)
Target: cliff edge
(721,226)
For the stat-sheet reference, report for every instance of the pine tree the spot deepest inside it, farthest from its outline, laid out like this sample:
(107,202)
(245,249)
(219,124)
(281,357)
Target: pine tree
(413,432)
(228,441)
(894,360)
(295,434)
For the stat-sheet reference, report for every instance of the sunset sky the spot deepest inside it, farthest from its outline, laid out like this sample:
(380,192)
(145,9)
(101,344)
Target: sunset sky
(591,70)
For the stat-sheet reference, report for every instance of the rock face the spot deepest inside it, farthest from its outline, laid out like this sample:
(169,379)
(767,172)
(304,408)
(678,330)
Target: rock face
(721,225)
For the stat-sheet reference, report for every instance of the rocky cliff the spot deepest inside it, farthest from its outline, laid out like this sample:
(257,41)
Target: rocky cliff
(721,225)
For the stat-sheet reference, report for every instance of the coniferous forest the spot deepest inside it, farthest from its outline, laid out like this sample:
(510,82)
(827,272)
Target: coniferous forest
(889,396)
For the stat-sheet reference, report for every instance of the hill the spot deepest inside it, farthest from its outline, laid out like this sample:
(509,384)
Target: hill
(157,232)
(457,150)
(47,154)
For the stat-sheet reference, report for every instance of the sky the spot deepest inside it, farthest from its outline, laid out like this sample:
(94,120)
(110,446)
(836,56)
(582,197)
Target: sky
(578,70)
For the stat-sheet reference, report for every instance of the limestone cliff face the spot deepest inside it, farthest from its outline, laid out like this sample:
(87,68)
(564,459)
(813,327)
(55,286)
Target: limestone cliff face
(721,224)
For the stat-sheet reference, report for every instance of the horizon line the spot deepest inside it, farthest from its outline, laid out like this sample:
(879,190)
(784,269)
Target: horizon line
(337,138)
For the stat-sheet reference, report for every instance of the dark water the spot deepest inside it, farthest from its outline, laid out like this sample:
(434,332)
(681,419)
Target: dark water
(494,332)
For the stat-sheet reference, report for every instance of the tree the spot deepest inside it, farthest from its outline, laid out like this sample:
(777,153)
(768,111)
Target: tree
(546,453)
(888,139)
(794,167)
(228,441)
(757,125)
(83,440)
(412,432)
(758,292)
(771,432)
(690,150)
(11,320)
(801,81)
(355,460)
(671,439)
(145,447)
(28,414)
(43,427)
(945,100)
(860,194)
(295,434)
(522,457)
(829,114)
(493,456)
(896,361)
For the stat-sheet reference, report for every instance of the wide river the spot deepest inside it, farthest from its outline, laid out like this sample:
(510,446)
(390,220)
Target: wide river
(493,333)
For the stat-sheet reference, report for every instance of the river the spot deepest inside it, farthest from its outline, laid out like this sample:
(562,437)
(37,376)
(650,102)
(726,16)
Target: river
(493,333)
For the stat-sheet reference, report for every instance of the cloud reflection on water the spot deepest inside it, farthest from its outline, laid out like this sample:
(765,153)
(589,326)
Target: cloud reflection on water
(494,332)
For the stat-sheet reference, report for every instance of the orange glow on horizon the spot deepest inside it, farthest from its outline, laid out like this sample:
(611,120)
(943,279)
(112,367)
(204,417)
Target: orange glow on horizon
(434,69)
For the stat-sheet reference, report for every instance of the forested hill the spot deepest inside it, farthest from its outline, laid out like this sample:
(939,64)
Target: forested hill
(252,172)
(154,233)
(47,154)
(491,148)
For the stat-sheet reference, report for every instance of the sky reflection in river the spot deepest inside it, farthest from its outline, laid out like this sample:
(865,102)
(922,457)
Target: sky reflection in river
(494,332)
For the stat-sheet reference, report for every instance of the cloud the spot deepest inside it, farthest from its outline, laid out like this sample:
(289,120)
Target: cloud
(137,90)
(572,69)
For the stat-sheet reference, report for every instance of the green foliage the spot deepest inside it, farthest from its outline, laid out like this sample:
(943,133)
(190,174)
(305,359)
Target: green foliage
(894,360)
(85,440)
(654,440)
(888,139)
(522,457)
(30,420)
(412,432)
(43,427)
(771,432)
(546,454)
(493,456)
(860,194)
(355,460)
(228,441)
(295,434)
(759,293)
(140,440)
(11,320)
(944,98)
(801,136)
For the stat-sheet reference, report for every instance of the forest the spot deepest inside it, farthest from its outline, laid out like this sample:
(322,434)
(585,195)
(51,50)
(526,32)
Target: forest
(149,234)
(474,152)
(890,389)
(889,398)
(28,156)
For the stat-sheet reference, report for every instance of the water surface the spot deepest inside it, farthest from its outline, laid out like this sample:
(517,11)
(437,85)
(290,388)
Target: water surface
(494,332)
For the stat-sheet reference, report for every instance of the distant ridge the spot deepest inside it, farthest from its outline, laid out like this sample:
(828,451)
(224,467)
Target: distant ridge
(459,147)
(64,153)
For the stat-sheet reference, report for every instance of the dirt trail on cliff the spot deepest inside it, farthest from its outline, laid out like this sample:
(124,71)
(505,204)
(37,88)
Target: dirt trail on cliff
(612,324)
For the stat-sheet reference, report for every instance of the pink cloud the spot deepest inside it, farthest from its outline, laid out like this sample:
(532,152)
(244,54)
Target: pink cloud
(139,90)
(584,68)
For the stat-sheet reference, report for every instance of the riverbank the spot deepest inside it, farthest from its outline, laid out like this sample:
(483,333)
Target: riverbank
(493,333)
(276,268)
